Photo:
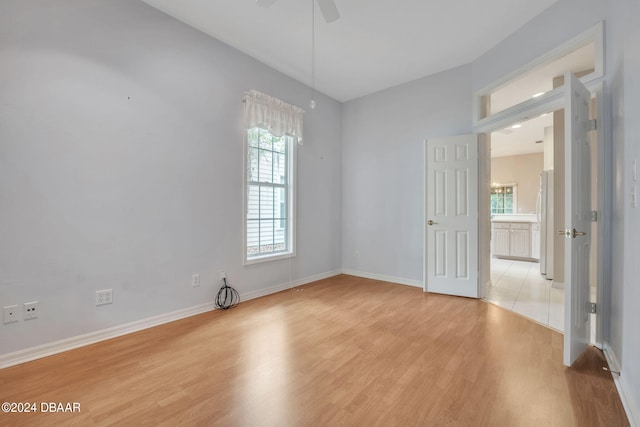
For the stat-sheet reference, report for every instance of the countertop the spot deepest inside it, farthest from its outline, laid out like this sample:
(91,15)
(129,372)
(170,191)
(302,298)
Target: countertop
(515,218)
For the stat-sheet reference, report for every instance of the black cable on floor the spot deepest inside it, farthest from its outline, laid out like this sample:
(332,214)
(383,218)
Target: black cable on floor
(227,297)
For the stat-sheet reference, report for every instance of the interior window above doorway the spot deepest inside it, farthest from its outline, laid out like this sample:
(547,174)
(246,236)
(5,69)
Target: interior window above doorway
(539,81)
(532,84)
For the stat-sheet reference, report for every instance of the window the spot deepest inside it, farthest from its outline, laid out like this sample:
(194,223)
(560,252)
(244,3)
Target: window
(269,195)
(274,130)
(503,199)
(531,90)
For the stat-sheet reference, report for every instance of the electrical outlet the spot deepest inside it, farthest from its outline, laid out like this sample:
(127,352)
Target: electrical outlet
(104,296)
(31,310)
(222,275)
(10,314)
(195,279)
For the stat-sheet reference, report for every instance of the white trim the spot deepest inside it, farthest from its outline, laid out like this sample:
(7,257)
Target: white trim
(267,257)
(603,209)
(66,344)
(286,286)
(384,278)
(531,108)
(595,34)
(425,207)
(49,349)
(484,215)
(624,391)
(612,360)
(546,104)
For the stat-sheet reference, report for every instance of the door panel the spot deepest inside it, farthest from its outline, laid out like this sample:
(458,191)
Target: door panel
(451,207)
(462,192)
(462,255)
(577,218)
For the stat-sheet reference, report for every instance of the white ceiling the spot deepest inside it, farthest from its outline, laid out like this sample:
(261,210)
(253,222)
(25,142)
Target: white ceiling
(514,142)
(374,45)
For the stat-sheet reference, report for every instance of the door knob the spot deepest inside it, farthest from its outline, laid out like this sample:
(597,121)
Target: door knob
(571,233)
(430,222)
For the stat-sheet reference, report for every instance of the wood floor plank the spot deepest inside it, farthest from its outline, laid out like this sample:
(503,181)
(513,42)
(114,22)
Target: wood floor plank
(341,351)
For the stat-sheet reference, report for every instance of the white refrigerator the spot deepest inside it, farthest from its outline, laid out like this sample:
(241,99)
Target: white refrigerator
(545,218)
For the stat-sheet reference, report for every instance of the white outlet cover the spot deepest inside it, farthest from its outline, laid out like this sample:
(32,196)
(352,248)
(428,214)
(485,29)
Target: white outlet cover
(31,310)
(10,314)
(195,280)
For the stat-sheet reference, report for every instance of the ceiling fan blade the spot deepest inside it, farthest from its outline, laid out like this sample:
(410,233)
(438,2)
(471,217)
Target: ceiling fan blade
(329,10)
(265,3)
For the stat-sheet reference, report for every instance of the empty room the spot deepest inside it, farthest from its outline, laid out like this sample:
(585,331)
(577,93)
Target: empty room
(297,213)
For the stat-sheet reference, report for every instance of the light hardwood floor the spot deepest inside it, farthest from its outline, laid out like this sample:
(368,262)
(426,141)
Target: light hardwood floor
(342,351)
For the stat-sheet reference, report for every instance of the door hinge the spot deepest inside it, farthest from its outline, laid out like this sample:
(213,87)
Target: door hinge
(591,306)
(593,124)
(594,216)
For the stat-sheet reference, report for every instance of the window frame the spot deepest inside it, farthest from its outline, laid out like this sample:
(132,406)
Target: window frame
(553,99)
(291,192)
(514,197)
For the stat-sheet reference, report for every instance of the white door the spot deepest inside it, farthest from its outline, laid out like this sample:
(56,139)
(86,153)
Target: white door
(577,218)
(451,208)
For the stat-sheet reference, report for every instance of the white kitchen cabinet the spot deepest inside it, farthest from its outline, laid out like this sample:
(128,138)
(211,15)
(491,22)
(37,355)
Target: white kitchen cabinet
(520,241)
(511,239)
(500,235)
(535,240)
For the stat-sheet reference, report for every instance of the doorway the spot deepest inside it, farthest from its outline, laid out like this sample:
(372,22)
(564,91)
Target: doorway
(524,276)
(521,223)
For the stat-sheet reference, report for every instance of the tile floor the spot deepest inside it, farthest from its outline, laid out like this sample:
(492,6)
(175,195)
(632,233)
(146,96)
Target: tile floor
(518,286)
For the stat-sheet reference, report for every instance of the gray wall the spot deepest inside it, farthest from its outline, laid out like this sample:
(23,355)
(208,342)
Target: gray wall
(383,166)
(121,167)
(626,111)
(556,25)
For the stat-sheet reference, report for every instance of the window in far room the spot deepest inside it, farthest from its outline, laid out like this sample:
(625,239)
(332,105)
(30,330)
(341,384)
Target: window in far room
(503,199)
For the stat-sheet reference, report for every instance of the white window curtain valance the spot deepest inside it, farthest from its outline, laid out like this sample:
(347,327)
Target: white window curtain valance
(272,114)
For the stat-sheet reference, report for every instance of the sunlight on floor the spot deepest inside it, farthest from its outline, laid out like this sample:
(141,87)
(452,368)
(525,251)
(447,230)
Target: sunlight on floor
(518,286)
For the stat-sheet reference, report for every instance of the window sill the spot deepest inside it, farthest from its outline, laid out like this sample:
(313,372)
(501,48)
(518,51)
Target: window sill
(267,258)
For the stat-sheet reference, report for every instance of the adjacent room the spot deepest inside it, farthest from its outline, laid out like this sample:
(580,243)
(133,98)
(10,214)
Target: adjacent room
(278,212)
(521,210)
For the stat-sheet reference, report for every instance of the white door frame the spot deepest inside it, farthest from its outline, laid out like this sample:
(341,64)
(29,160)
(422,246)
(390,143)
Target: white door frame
(555,101)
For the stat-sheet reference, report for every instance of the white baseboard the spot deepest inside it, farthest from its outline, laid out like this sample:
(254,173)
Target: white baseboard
(283,287)
(49,349)
(624,391)
(67,344)
(383,278)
